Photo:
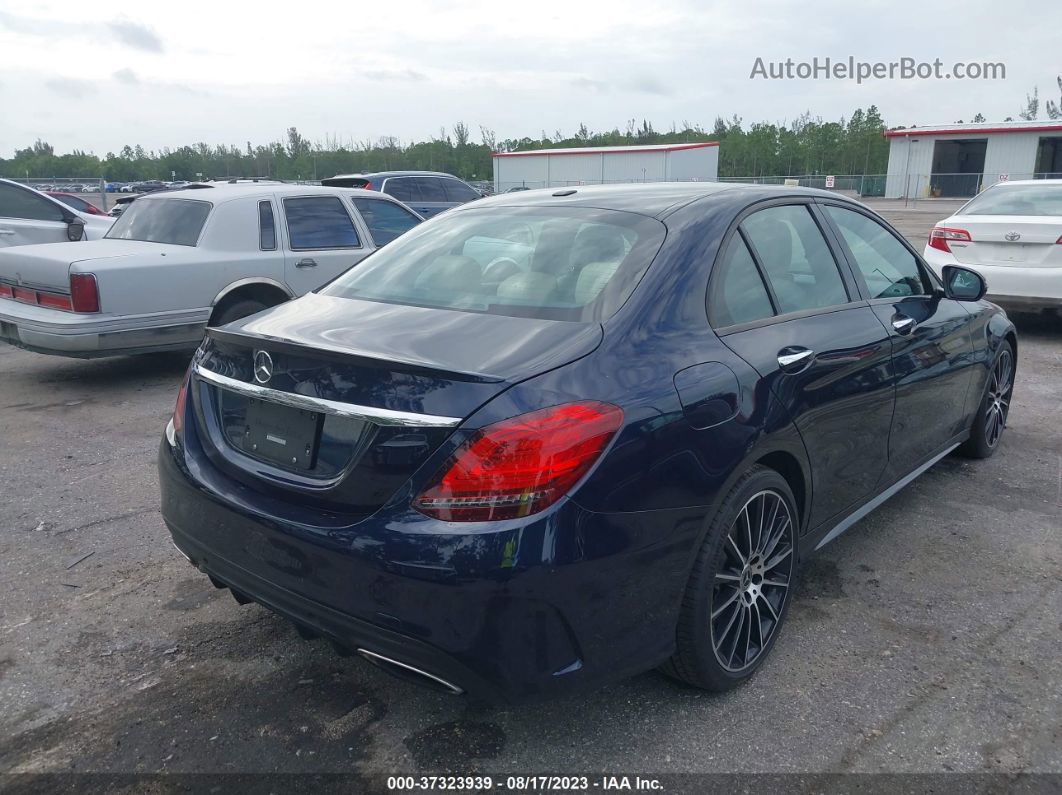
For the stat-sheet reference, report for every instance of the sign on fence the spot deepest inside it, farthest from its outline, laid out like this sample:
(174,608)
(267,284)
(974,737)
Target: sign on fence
(829,180)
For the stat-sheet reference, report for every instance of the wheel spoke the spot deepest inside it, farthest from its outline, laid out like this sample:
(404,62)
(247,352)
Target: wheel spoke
(778,559)
(748,530)
(770,607)
(729,624)
(776,538)
(726,604)
(765,536)
(737,637)
(776,583)
(741,558)
(728,577)
(759,625)
(748,634)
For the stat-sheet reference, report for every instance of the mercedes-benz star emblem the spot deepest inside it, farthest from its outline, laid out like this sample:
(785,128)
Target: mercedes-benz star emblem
(1012,236)
(263,367)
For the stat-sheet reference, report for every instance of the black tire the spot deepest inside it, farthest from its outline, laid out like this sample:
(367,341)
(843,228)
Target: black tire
(991,418)
(703,657)
(237,310)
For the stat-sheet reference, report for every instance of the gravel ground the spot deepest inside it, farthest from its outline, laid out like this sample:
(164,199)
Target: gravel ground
(926,639)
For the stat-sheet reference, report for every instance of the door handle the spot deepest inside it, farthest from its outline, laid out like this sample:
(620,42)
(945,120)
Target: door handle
(306,262)
(794,359)
(903,324)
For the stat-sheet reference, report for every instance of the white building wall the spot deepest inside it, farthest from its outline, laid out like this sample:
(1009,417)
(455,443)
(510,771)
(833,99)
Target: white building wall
(911,159)
(693,164)
(530,171)
(634,166)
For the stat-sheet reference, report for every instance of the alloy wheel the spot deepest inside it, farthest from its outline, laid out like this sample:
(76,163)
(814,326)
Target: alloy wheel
(751,586)
(999,389)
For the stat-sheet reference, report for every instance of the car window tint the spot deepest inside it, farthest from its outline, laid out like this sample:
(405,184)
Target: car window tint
(431,189)
(457,191)
(176,221)
(73,201)
(18,202)
(319,222)
(267,230)
(386,220)
(1016,200)
(795,258)
(738,294)
(402,188)
(890,270)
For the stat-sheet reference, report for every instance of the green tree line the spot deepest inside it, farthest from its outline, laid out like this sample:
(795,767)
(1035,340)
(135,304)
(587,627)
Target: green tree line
(805,145)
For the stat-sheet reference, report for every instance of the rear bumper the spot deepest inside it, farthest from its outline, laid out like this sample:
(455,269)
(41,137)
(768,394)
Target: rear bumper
(562,602)
(1012,286)
(53,331)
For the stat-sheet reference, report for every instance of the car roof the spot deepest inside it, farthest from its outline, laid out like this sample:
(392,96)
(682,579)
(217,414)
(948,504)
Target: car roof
(1027,182)
(226,192)
(654,198)
(386,174)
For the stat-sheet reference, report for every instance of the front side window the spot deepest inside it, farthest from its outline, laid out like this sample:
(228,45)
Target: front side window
(888,267)
(176,221)
(576,264)
(457,191)
(431,189)
(386,220)
(795,258)
(1016,200)
(23,203)
(267,228)
(738,294)
(319,222)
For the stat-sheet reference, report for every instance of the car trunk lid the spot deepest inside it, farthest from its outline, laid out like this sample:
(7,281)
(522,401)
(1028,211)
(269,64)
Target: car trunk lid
(47,266)
(1026,241)
(387,384)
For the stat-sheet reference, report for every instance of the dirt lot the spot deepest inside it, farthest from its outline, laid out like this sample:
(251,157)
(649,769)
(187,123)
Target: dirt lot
(926,639)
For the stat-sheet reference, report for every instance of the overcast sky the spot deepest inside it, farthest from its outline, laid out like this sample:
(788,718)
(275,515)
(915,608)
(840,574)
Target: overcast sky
(95,76)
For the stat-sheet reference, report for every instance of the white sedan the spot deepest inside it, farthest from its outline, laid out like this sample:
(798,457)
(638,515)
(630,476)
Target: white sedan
(178,261)
(1011,234)
(28,216)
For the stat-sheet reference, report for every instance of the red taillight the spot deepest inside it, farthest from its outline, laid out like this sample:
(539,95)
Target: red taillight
(178,408)
(84,295)
(54,300)
(7,291)
(940,236)
(1059,240)
(521,465)
(367,185)
(24,295)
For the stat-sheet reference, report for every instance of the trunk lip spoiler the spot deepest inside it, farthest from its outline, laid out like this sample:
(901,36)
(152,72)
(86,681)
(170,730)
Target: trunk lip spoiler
(231,335)
(371,414)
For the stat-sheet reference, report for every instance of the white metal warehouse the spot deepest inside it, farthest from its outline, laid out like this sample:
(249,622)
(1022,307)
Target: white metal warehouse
(549,168)
(958,160)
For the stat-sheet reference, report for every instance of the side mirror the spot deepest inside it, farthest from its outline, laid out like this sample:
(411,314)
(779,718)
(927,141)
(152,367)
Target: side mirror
(963,284)
(75,229)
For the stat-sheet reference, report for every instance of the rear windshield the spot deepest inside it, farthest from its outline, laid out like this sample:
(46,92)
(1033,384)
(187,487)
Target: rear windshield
(1016,200)
(574,264)
(177,221)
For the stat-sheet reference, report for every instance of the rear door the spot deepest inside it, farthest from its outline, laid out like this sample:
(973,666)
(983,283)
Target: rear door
(384,219)
(27,217)
(931,336)
(322,241)
(781,299)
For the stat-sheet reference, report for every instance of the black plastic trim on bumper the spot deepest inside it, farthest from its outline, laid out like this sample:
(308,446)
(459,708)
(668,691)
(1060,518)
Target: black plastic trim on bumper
(350,633)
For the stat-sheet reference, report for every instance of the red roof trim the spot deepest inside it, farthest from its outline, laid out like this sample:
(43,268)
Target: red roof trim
(967,130)
(597,150)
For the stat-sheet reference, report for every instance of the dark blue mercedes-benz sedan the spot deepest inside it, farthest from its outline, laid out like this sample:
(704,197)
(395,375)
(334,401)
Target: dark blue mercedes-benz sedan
(554,438)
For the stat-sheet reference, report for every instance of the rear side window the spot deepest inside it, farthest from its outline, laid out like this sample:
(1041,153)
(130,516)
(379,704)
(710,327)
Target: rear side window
(18,202)
(386,220)
(175,221)
(431,189)
(267,230)
(402,188)
(553,263)
(889,269)
(795,258)
(457,191)
(319,222)
(738,294)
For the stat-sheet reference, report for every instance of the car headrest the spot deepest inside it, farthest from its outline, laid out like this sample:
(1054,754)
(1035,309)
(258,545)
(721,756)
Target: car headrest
(774,243)
(530,288)
(592,280)
(597,243)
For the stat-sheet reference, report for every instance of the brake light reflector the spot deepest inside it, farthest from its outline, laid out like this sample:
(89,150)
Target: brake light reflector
(54,300)
(177,421)
(521,465)
(7,291)
(24,295)
(940,236)
(84,294)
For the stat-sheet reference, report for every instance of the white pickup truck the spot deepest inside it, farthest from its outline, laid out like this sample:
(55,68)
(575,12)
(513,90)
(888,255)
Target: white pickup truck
(178,261)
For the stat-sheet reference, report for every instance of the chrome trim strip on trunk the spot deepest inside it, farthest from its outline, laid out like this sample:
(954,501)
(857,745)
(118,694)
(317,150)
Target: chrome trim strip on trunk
(371,414)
